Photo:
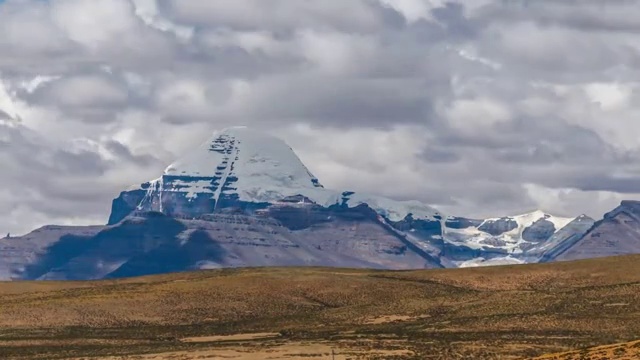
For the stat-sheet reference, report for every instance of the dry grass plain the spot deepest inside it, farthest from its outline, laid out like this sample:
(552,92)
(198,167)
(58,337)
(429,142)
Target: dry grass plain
(508,312)
(623,351)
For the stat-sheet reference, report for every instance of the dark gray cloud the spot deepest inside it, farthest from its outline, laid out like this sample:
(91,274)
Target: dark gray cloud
(613,15)
(4,116)
(121,151)
(481,108)
(440,154)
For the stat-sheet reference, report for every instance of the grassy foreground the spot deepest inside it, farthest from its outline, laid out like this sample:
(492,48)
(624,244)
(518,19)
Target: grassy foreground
(312,313)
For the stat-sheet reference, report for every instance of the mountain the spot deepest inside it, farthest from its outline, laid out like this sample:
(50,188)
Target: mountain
(156,243)
(510,240)
(242,168)
(244,198)
(618,233)
(562,240)
(19,253)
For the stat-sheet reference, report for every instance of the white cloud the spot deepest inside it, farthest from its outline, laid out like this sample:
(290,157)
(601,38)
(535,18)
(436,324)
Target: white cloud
(81,91)
(335,53)
(27,27)
(609,96)
(414,10)
(477,114)
(93,23)
(148,11)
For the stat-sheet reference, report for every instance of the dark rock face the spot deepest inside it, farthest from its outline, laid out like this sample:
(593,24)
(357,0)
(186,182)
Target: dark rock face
(498,227)
(125,204)
(453,252)
(306,215)
(423,229)
(422,236)
(173,256)
(17,253)
(561,240)
(299,218)
(618,233)
(162,197)
(94,257)
(540,231)
(462,223)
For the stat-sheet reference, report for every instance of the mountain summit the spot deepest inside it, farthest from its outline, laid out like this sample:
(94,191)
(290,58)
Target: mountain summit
(241,164)
(235,165)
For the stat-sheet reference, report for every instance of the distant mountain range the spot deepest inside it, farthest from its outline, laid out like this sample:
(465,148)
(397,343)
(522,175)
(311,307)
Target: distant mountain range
(244,198)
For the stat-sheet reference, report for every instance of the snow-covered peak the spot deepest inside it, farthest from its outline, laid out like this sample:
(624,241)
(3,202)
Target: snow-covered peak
(528,219)
(255,167)
(510,233)
(255,158)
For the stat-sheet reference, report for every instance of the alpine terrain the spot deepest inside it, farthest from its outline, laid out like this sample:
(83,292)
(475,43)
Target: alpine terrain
(244,199)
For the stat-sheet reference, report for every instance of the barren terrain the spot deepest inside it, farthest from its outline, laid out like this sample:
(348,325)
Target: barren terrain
(507,312)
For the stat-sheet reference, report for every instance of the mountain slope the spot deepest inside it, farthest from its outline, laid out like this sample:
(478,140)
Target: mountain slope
(562,240)
(154,243)
(17,254)
(618,233)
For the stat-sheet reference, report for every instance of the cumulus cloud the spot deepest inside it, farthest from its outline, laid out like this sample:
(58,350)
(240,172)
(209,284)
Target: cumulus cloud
(480,108)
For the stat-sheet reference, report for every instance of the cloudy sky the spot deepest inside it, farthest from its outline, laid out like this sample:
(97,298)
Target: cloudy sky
(480,108)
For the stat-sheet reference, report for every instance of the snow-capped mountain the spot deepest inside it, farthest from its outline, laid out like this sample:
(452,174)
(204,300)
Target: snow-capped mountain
(242,167)
(512,239)
(514,234)
(244,198)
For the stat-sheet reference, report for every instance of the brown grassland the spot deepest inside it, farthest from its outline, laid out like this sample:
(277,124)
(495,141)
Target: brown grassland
(507,312)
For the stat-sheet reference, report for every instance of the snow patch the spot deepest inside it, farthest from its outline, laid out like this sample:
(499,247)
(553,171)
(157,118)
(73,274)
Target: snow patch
(477,262)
